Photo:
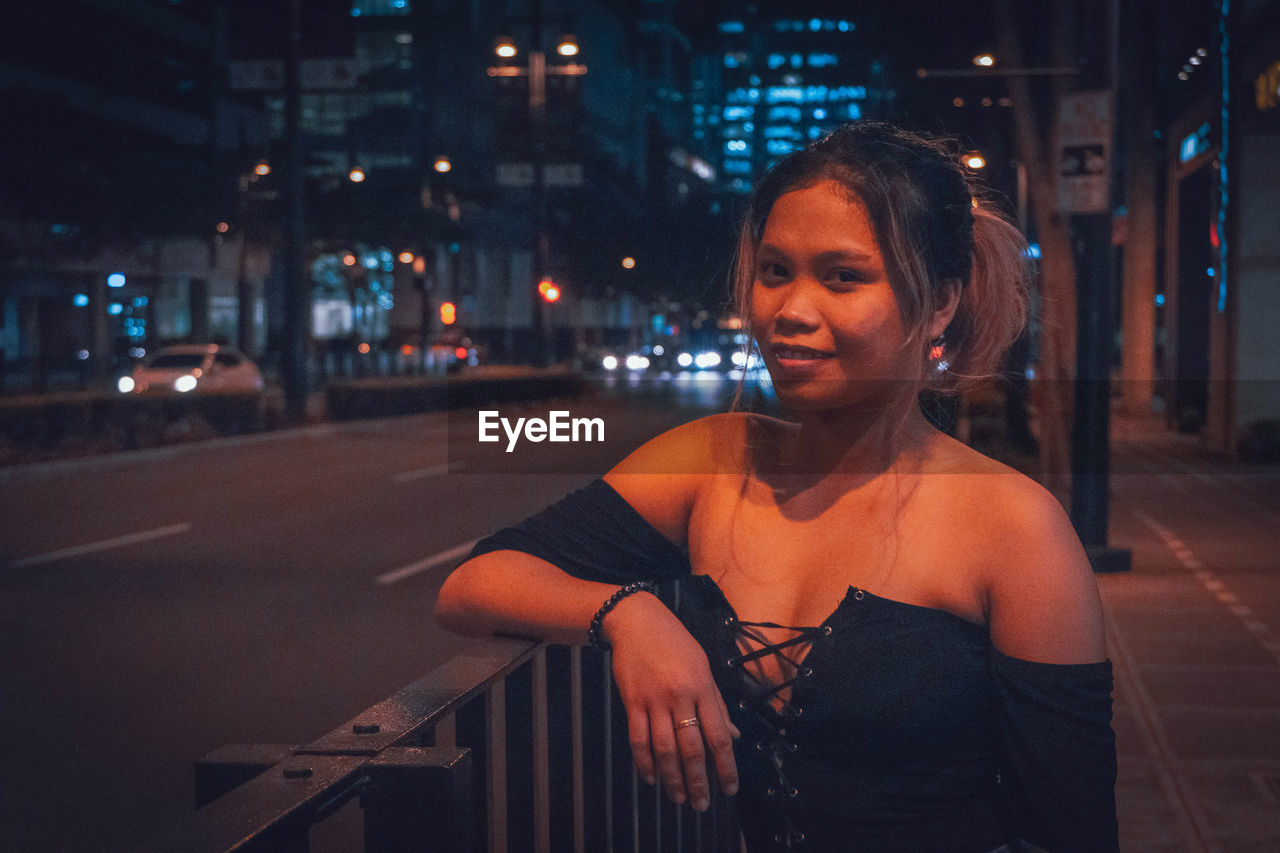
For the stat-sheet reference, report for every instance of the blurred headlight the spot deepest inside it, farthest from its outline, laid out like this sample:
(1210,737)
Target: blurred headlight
(684,359)
(125,384)
(706,360)
(637,362)
(609,362)
(184,383)
(739,358)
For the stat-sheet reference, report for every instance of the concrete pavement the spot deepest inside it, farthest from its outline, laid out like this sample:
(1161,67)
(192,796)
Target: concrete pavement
(1194,634)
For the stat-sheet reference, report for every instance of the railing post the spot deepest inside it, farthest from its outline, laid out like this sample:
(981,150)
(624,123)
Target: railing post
(230,767)
(418,799)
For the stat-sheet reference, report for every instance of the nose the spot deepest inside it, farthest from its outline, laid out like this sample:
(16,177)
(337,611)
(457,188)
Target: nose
(796,313)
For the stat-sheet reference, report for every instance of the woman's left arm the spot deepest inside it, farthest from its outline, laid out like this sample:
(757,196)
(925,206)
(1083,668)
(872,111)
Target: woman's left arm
(1041,598)
(1053,681)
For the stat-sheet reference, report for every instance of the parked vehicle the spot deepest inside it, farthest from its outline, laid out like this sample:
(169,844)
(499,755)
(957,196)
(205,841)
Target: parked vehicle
(193,367)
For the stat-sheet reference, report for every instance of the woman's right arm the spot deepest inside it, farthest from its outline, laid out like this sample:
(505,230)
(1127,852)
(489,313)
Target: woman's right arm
(662,673)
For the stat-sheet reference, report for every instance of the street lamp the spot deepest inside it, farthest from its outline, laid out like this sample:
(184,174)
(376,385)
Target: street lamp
(505,48)
(975,160)
(536,70)
(443,164)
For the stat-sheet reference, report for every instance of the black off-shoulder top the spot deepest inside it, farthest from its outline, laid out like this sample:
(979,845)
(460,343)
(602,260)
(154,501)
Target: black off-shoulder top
(903,728)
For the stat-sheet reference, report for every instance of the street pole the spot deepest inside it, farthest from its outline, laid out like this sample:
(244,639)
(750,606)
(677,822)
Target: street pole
(1091,423)
(297,298)
(538,122)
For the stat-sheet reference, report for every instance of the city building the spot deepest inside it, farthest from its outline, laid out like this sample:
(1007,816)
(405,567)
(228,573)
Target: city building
(119,132)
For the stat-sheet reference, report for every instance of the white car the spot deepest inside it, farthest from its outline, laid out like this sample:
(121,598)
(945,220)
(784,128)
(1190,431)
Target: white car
(193,367)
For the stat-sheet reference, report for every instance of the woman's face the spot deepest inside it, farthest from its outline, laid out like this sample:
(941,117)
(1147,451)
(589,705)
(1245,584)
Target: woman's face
(823,311)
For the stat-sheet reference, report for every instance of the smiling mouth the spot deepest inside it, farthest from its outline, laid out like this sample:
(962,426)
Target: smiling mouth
(795,353)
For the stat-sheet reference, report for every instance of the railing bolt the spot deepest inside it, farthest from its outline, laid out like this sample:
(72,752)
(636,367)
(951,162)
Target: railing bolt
(297,773)
(366,728)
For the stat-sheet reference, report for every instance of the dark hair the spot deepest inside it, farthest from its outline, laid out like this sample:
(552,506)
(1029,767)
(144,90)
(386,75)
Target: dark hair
(930,226)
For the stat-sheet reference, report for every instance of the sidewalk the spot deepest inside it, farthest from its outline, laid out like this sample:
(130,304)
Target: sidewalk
(1194,634)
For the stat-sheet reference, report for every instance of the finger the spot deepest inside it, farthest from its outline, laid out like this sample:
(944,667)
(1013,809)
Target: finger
(667,754)
(724,710)
(718,733)
(693,755)
(638,734)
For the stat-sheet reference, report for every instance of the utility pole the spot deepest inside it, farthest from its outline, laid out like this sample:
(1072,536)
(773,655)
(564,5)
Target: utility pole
(538,122)
(1091,425)
(297,296)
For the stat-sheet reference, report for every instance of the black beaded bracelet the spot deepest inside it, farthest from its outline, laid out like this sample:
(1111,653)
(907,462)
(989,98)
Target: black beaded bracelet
(597,621)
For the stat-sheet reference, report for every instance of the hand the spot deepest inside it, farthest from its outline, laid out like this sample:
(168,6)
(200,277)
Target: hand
(664,678)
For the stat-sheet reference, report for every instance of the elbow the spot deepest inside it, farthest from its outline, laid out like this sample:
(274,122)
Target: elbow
(454,606)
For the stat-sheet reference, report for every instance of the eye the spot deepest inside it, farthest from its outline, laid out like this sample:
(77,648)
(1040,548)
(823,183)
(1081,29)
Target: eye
(772,271)
(844,278)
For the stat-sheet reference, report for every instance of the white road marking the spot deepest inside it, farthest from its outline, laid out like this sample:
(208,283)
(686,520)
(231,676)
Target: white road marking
(1260,630)
(397,575)
(423,473)
(105,544)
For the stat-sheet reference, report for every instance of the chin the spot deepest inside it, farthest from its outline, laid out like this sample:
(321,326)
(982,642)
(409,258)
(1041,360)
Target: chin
(853,395)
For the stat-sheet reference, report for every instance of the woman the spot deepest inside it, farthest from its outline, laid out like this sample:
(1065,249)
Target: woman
(885,640)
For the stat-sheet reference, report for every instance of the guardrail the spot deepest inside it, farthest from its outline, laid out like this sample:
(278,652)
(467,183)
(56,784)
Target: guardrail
(510,746)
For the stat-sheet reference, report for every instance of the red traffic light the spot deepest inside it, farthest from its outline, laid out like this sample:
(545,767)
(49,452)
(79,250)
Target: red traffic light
(548,289)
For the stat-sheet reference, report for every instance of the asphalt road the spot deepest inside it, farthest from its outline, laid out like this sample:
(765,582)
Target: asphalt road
(157,605)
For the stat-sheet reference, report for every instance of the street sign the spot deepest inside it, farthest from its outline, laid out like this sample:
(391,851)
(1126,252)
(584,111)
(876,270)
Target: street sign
(515,174)
(315,75)
(562,175)
(553,175)
(1084,152)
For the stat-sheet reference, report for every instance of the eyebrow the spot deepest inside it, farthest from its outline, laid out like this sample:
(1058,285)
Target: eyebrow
(832,255)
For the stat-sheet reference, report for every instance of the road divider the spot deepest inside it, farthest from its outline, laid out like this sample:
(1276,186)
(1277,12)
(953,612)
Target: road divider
(396,575)
(103,545)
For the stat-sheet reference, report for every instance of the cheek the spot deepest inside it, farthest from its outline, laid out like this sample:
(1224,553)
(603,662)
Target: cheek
(760,311)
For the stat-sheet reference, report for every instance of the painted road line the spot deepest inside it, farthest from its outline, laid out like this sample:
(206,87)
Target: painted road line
(423,473)
(104,545)
(1260,630)
(397,575)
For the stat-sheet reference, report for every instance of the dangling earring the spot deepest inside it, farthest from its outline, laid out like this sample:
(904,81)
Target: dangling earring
(936,349)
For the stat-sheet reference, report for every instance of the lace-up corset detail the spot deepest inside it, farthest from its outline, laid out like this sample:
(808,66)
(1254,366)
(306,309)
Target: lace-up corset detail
(769,671)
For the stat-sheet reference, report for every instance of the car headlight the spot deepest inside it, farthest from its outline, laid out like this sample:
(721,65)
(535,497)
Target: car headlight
(684,359)
(609,362)
(184,383)
(637,362)
(706,360)
(125,384)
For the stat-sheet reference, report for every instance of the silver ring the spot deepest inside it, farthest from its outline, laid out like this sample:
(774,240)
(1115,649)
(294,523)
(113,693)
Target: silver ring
(684,724)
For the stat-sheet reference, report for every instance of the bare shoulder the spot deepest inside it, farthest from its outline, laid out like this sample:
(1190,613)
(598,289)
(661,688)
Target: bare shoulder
(663,477)
(1041,597)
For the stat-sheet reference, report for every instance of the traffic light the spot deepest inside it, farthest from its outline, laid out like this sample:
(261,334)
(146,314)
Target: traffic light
(550,292)
(448,313)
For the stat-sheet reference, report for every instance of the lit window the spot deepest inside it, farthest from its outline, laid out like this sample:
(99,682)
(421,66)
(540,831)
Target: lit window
(781,94)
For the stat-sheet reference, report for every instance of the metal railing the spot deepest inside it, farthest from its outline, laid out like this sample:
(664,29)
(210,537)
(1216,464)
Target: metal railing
(510,746)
